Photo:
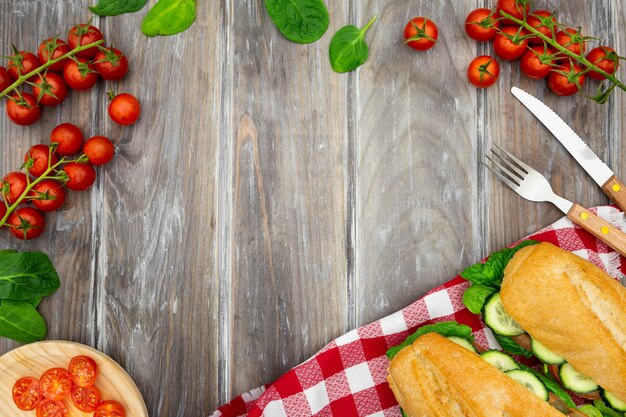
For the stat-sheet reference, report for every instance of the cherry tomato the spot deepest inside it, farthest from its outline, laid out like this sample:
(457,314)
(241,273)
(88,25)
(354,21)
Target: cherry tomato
(110,409)
(40,155)
(124,109)
(3,209)
(48,195)
(565,85)
(480,25)
(537,62)
(99,150)
(56,384)
(83,35)
(483,71)
(80,176)
(86,398)
(544,22)
(53,48)
(13,186)
(5,79)
(79,74)
(26,393)
(49,408)
(516,8)
(572,40)
(605,58)
(420,33)
(50,89)
(28,223)
(83,370)
(23,110)
(509,43)
(111,64)
(22,63)
(68,137)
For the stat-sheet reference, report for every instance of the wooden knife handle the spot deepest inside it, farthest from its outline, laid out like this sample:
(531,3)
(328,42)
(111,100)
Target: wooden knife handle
(602,230)
(616,190)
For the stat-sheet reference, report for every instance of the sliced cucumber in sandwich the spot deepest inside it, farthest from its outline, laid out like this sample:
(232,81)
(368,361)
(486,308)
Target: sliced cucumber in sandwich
(530,381)
(498,320)
(463,342)
(575,381)
(613,402)
(545,355)
(500,360)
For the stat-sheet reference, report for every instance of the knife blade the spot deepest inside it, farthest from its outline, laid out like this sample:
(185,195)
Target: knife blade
(598,170)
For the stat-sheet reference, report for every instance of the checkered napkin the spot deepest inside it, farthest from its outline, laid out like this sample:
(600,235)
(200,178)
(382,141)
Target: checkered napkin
(348,376)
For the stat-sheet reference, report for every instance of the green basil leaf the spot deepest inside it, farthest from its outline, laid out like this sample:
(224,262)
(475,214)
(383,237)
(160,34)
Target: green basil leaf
(300,21)
(551,385)
(445,328)
(511,347)
(606,410)
(21,322)
(27,275)
(348,49)
(169,17)
(475,296)
(115,7)
(591,411)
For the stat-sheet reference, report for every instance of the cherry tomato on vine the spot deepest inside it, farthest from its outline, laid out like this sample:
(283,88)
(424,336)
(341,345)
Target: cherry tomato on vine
(40,156)
(28,223)
(69,139)
(509,44)
(13,186)
(50,89)
(86,398)
(124,109)
(5,79)
(49,408)
(99,150)
(83,35)
(79,74)
(47,195)
(540,20)
(53,48)
(537,62)
(572,40)
(83,370)
(22,63)
(605,58)
(80,176)
(480,25)
(111,64)
(26,393)
(420,33)
(483,71)
(23,109)
(516,8)
(3,210)
(564,83)
(110,409)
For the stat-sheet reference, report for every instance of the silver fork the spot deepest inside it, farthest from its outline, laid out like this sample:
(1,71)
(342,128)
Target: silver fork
(530,184)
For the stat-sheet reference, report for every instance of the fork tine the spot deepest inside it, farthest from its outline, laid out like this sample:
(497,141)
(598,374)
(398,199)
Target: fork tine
(515,159)
(516,176)
(504,179)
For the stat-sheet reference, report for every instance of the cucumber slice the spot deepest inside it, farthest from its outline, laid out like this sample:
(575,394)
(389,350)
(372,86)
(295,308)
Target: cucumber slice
(544,354)
(500,360)
(530,381)
(498,320)
(574,381)
(463,342)
(613,402)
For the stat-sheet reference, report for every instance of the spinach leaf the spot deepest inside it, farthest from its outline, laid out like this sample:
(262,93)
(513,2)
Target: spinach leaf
(21,322)
(115,7)
(445,328)
(169,17)
(510,346)
(27,275)
(348,49)
(300,21)
(605,410)
(475,296)
(551,385)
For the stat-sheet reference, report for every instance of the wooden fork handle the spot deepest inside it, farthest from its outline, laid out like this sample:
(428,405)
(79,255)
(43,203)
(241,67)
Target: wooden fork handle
(616,190)
(602,230)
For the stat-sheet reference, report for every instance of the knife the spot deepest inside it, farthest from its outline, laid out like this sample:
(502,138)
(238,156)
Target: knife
(598,170)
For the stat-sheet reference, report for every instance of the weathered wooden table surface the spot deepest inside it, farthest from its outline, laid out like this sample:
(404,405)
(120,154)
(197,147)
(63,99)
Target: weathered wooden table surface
(265,205)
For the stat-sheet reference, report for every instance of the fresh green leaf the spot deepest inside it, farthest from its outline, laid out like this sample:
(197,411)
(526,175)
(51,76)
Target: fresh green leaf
(348,49)
(591,411)
(35,301)
(115,7)
(404,414)
(445,328)
(21,322)
(300,21)
(511,347)
(552,386)
(169,17)
(475,296)
(26,275)
(606,410)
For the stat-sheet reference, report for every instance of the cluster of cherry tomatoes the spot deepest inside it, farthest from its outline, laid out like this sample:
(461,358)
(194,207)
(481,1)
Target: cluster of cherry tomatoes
(47,176)
(47,394)
(538,58)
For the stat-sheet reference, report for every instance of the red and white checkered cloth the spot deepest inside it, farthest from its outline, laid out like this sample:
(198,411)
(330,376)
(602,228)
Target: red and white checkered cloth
(348,377)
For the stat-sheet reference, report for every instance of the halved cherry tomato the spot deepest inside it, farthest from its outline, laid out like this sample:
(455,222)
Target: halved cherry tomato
(26,393)
(605,58)
(86,398)
(544,22)
(80,176)
(509,43)
(481,25)
(53,48)
(50,89)
(68,137)
(82,35)
(110,409)
(420,33)
(40,157)
(56,384)
(23,110)
(13,186)
(83,370)
(27,223)
(50,408)
(48,195)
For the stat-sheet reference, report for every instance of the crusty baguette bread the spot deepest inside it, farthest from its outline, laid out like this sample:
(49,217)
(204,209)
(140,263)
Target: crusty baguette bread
(573,308)
(435,377)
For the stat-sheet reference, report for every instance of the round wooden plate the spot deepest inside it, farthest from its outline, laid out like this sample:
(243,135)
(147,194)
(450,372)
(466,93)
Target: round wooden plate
(33,359)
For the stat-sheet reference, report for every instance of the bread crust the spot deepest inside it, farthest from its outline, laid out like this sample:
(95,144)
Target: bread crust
(573,308)
(436,377)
